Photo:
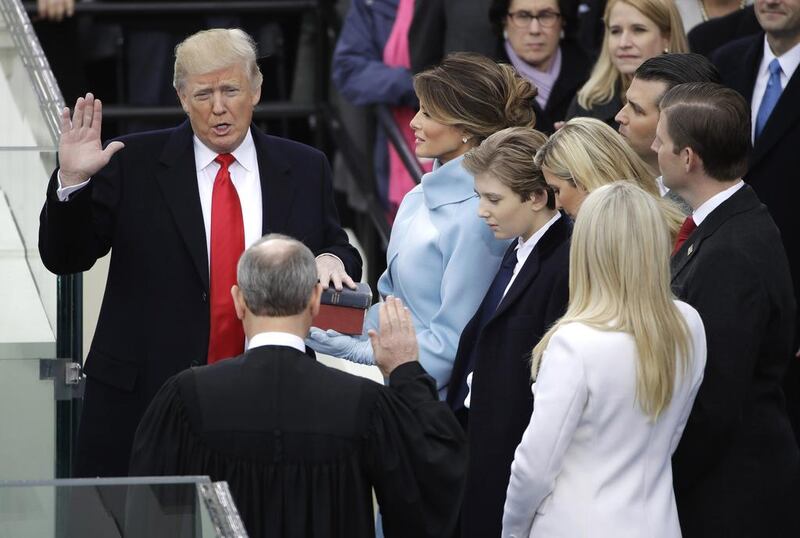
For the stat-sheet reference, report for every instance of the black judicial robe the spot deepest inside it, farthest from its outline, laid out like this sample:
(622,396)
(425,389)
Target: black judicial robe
(302,445)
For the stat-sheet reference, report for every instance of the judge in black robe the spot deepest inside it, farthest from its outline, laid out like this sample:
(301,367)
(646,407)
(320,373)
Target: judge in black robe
(302,445)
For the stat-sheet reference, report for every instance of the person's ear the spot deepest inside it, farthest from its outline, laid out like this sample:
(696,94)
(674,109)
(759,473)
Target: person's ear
(238,301)
(537,200)
(316,296)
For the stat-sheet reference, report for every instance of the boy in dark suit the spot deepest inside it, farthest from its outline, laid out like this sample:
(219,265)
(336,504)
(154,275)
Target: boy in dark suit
(527,295)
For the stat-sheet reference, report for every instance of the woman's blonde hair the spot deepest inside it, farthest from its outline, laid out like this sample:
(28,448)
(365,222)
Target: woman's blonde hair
(508,156)
(619,280)
(476,94)
(589,154)
(606,79)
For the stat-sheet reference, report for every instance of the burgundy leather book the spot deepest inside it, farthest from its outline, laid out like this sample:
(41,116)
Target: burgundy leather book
(344,311)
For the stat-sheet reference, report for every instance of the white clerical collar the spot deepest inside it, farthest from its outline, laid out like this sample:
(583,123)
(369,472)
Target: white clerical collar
(277,339)
(714,202)
(245,154)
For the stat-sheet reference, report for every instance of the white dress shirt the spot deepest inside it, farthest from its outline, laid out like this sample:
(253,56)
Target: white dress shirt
(277,339)
(705,209)
(789,62)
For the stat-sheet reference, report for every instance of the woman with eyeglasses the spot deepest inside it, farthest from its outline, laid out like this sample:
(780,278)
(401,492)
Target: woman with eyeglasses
(636,30)
(533,41)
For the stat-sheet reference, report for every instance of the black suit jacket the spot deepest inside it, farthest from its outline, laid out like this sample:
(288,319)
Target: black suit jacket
(575,68)
(501,400)
(154,321)
(773,167)
(712,34)
(737,455)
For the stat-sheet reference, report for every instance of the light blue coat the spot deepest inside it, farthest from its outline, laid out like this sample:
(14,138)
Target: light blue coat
(441,260)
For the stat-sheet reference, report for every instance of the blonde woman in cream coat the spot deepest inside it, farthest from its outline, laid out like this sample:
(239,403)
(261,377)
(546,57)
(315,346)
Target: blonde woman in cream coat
(617,376)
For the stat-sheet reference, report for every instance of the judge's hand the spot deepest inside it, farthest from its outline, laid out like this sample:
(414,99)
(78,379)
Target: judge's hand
(396,343)
(55,10)
(330,270)
(80,151)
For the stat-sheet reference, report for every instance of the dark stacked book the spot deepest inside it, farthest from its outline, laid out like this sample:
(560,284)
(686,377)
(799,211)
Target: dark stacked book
(344,311)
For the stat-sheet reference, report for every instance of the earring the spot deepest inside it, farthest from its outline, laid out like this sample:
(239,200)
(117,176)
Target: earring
(561,35)
(464,139)
(666,50)
(505,34)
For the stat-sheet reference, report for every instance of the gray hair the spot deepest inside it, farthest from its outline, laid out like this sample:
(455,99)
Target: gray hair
(211,50)
(277,276)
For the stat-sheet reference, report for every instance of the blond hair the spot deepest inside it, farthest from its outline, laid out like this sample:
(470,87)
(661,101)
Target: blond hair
(211,50)
(476,94)
(508,156)
(619,280)
(605,79)
(589,154)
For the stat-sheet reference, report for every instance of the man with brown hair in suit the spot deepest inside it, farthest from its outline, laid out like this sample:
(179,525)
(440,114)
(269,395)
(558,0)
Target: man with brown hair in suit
(737,459)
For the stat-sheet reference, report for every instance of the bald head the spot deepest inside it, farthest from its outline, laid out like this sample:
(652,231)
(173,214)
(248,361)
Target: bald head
(277,276)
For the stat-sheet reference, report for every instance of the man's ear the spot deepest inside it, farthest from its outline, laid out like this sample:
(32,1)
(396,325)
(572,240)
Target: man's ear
(238,301)
(313,303)
(538,200)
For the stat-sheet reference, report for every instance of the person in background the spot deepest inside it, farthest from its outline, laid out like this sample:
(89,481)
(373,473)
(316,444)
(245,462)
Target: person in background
(695,12)
(441,258)
(635,31)
(639,117)
(737,460)
(371,66)
(765,69)
(528,294)
(708,36)
(586,154)
(614,382)
(302,445)
(533,42)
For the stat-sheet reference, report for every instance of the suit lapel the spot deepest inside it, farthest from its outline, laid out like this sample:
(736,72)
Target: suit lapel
(784,115)
(553,237)
(277,187)
(742,200)
(177,177)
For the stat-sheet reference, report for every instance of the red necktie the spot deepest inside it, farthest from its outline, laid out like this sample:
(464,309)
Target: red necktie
(226,338)
(686,230)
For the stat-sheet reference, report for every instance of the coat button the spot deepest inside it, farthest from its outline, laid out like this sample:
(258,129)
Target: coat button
(204,297)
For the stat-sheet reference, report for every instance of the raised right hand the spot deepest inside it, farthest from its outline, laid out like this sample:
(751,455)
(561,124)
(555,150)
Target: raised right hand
(80,150)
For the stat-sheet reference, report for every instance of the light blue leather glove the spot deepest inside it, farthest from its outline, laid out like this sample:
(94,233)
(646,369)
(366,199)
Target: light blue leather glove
(356,349)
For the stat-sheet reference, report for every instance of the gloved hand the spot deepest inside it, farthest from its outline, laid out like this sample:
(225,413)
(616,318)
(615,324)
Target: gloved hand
(357,349)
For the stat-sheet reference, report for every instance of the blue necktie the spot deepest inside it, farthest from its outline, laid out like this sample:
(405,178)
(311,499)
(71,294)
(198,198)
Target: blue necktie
(495,293)
(771,96)
(488,307)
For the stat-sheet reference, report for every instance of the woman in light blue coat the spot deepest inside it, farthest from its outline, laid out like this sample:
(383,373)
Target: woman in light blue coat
(441,257)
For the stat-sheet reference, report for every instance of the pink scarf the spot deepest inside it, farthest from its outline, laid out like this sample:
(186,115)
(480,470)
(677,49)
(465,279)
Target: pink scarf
(396,54)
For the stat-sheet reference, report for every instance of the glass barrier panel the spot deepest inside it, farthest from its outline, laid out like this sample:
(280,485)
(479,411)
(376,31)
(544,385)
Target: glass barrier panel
(148,507)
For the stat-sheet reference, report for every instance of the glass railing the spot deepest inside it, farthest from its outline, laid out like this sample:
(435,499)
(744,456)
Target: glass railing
(147,507)
(36,390)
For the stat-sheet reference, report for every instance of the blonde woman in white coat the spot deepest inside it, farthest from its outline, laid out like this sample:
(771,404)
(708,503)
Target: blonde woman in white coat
(617,376)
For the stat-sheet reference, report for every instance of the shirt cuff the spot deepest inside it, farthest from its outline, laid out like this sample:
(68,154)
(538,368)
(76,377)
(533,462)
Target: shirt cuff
(324,254)
(63,193)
